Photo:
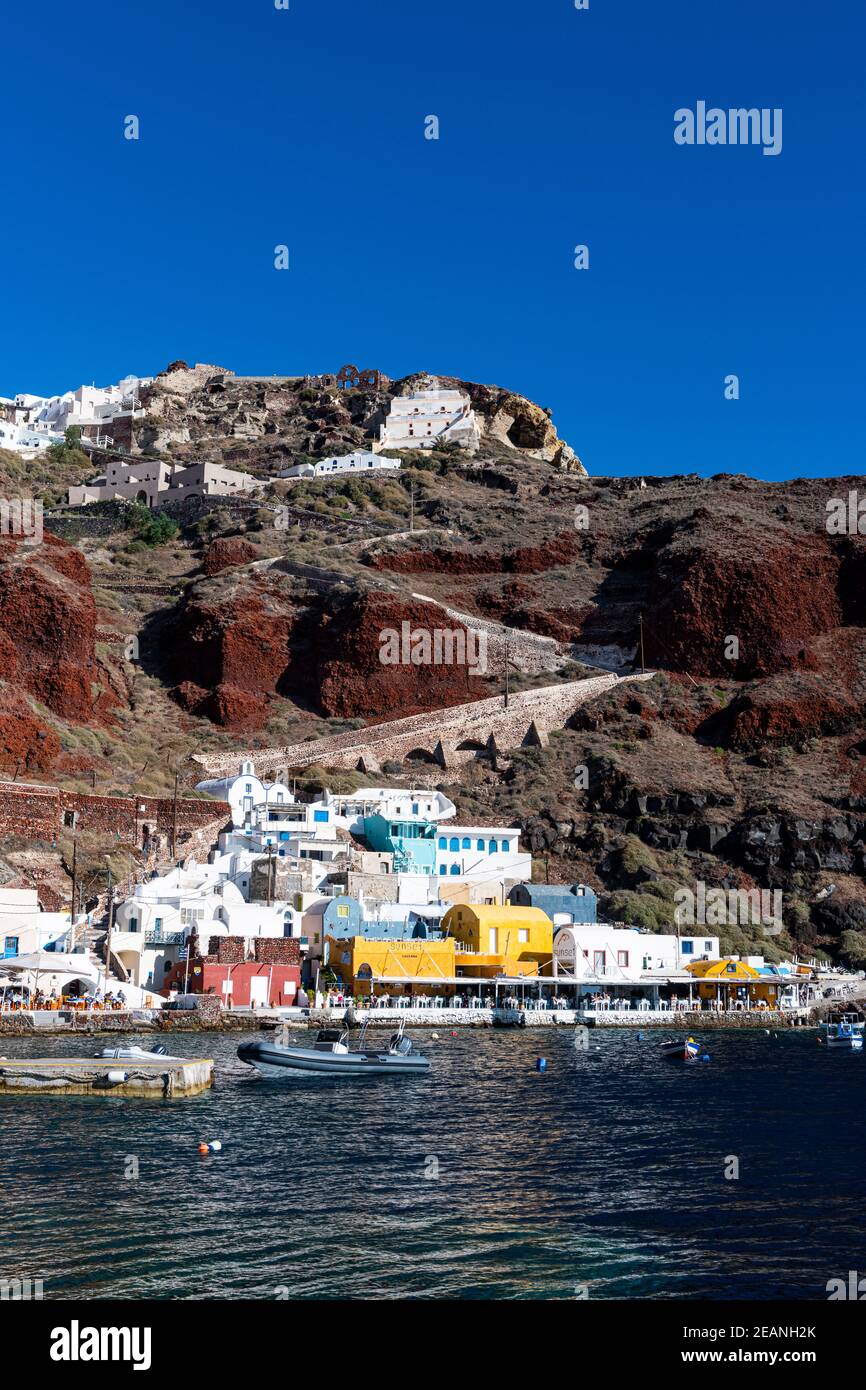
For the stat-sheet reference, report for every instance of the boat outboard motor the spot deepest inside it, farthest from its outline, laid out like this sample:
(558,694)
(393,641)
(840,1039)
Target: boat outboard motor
(158,1050)
(400,1043)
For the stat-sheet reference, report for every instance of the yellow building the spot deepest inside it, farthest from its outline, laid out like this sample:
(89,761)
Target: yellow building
(430,965)
(482,943)
(503,940)
(732,982)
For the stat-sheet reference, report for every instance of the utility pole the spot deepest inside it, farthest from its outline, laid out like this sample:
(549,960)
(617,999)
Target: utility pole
(110,925)
(74,891)
(174,824)
(642,666)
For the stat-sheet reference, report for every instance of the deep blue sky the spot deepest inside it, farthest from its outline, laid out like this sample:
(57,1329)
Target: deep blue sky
(305,127)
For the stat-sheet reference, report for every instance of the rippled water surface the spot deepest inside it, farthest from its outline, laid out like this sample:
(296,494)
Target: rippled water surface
(483,1179)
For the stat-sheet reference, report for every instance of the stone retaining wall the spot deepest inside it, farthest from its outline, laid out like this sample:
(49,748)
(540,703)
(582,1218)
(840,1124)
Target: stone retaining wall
(529,715)
(38,812)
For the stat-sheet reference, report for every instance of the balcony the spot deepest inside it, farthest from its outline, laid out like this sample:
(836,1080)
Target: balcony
(158,936)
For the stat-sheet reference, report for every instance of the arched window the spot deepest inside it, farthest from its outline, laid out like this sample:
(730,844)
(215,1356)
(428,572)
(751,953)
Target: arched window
(442,870)
(480,844)
(467,843)
(492,846)
(443,843)
(455,843)
(455,868)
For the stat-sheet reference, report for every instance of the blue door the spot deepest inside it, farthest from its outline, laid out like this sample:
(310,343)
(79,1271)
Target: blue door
(10,947)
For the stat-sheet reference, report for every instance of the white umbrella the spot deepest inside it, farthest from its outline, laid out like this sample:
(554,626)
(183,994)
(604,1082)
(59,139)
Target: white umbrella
(52,963)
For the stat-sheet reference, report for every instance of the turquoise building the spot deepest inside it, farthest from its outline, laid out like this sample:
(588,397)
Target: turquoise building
(412,842)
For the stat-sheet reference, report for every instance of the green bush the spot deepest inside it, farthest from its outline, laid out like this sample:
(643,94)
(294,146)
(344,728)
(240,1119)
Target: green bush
(151,528)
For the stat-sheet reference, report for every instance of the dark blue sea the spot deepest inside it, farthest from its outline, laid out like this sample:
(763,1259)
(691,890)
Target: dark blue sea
(485,1179)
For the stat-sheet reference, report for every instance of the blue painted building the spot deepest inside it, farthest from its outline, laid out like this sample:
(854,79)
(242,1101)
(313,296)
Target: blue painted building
(343,918)
(577,901)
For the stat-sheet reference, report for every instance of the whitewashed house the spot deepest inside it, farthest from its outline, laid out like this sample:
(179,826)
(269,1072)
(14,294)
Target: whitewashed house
(430,415)
(361,461)
(599,951)
(245,793)
(153,926)
(24,439)
(400,803)
(481,852)
(24,927)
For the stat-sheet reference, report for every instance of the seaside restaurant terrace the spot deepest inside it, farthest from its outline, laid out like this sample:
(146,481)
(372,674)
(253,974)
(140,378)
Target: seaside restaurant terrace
(720,986)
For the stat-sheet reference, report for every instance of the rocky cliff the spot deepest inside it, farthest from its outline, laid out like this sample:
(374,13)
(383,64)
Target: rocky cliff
(270,422)
(48,656)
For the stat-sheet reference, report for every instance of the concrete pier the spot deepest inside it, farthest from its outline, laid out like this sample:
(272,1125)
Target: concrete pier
(167,1077)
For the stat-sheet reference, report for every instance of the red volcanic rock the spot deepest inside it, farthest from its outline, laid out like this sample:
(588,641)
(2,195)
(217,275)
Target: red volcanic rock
(48,630)
(773,597)
(8,657)
(531,559)
(234,708)
(226,551)
(66,560)
(242,642)
(766,715)
(190,696)
(353,681)
(24,740)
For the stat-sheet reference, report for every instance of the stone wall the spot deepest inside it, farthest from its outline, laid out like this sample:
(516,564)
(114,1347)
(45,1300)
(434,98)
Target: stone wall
(277,950)
(482,723)
(37,812)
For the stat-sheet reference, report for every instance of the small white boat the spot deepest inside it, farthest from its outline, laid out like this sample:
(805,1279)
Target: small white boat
(846,1033)
(131,1054)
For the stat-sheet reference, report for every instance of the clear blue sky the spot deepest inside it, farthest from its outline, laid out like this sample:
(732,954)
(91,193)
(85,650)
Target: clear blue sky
(306,127)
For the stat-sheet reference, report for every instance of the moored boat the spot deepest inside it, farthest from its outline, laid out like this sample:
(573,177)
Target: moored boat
(131,1053)
(679,1050)
(331,1055)
(845,1033)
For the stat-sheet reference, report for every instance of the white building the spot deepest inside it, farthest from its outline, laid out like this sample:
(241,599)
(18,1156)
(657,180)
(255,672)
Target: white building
(154,483)
(599,951)
(24,439)
(46,418)
(431,415)
(245,793)
(397,803)
(361,461)
(153,925)
(25,928)
(481,851)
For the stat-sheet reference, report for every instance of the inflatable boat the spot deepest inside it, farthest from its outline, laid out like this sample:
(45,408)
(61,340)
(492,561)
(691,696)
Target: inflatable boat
(331,1055)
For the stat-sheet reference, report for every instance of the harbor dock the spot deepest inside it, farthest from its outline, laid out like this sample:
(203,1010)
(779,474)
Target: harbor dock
(168,1077)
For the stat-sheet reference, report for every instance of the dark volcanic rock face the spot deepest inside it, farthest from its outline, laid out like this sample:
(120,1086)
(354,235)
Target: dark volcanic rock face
(716,583)
(231,656)
(48,648)
(352,679)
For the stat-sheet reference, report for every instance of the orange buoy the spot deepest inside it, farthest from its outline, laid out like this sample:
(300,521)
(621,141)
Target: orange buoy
(203,1149)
